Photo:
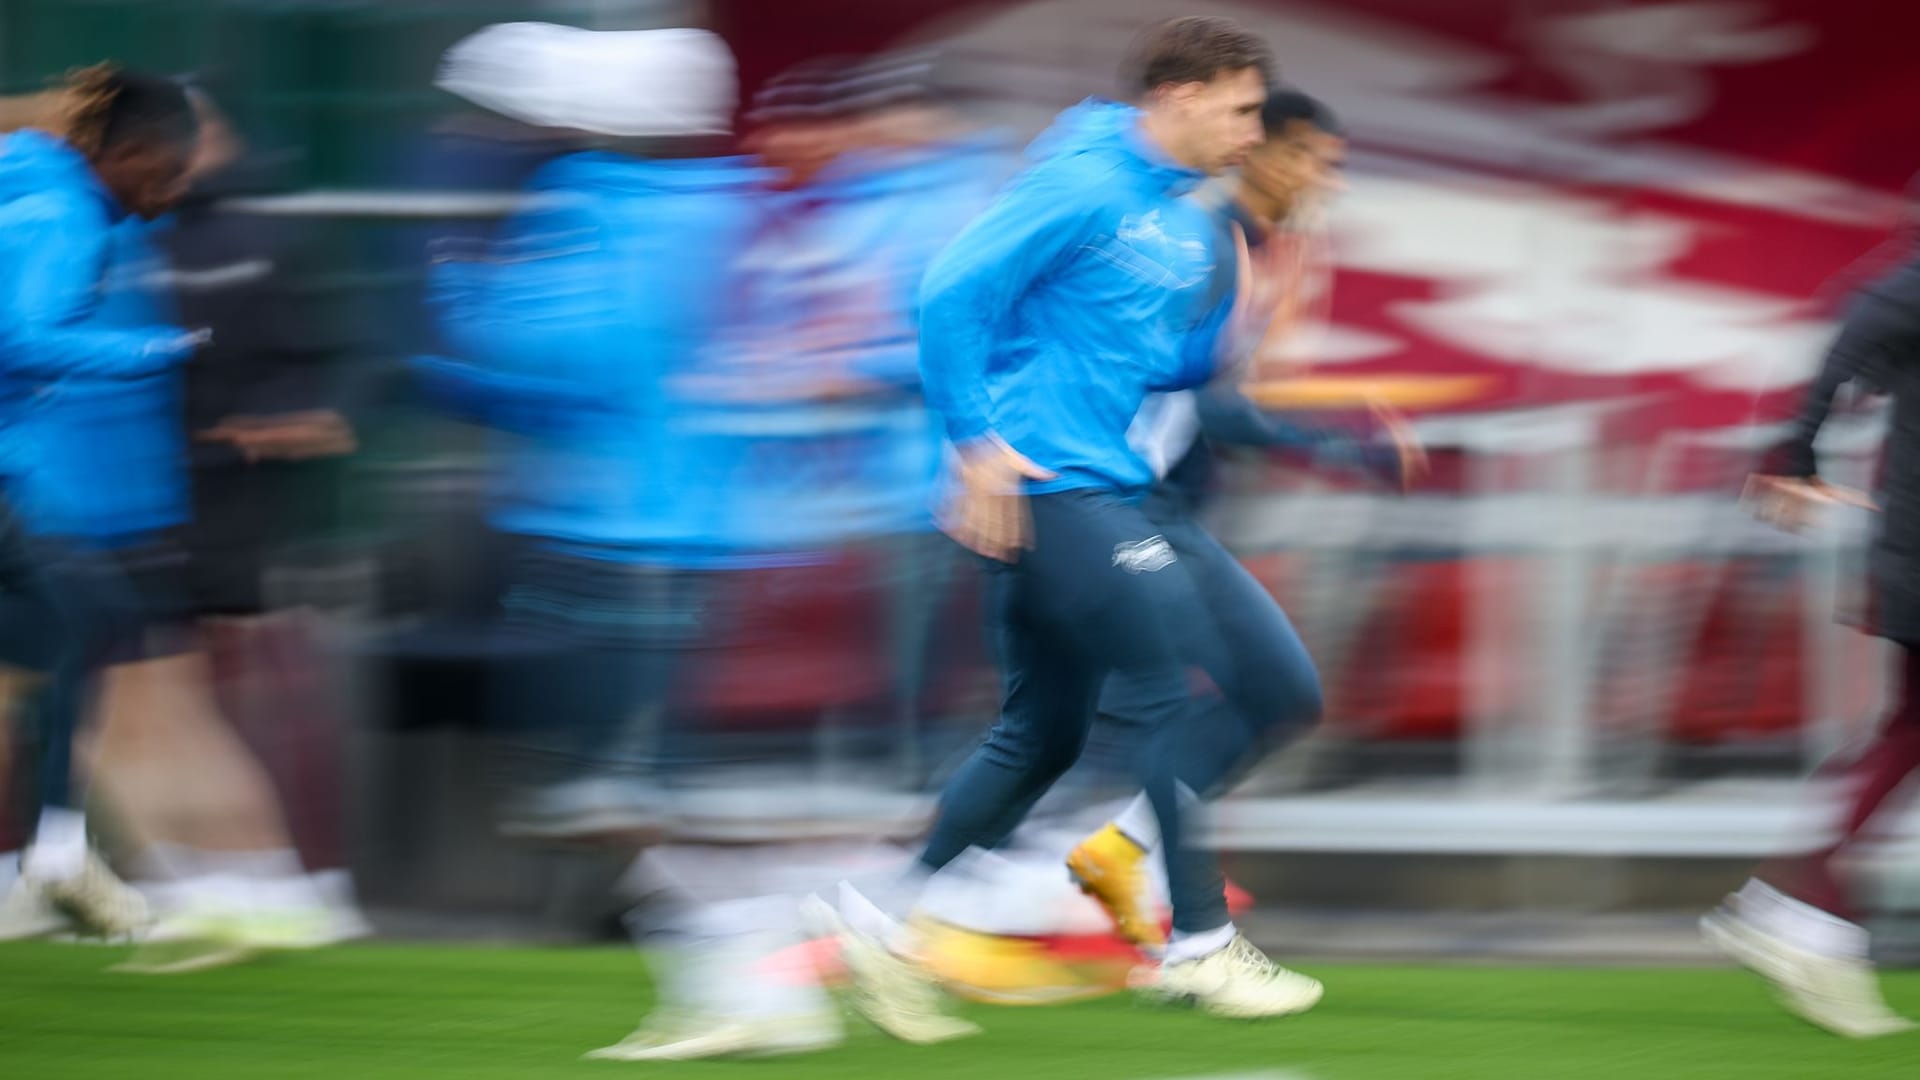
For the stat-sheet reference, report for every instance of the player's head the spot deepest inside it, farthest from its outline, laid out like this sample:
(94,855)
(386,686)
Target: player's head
(138,131)
(1299,162)
(901,98)
(1203,80)
(800,124)
(821,109)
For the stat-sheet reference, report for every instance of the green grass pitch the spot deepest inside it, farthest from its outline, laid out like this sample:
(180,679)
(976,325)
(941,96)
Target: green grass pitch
(478,1013)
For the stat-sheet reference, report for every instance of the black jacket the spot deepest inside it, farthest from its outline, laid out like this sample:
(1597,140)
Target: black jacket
(1879,349)
(277,348)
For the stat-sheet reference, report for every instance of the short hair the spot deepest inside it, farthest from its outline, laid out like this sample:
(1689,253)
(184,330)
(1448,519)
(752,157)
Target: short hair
(147,109)
(1286,105)
(833,87)
(1193,48)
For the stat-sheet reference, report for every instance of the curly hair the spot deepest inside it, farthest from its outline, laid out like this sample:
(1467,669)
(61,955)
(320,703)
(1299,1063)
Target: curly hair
(95,107)
(85,104)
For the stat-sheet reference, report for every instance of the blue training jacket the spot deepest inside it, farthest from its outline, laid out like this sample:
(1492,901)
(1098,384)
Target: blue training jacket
(570,337)
(91,441)
(1090,283)
(830,290)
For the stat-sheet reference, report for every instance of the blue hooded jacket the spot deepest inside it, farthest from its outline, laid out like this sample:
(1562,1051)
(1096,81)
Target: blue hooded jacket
(1089,284)
(91,440)
(830,291)
(571,336)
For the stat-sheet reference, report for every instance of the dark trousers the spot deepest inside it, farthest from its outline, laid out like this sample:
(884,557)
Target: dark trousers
(595,650)
(1266,691)
(1873,777)
(63,611)
(1102,599)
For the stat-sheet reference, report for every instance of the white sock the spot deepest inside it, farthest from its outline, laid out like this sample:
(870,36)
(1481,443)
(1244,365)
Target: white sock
(720,954)
(1184,946)
(1801,924)
(877,920)
(1138,823)
(59,849)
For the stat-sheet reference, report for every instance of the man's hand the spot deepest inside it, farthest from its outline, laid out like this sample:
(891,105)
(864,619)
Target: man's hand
(1414,465)
(1794,502)
(989,515)
(301,436)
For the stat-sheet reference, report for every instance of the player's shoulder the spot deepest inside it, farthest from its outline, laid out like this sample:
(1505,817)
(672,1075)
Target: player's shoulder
(1092,183)
(56,207)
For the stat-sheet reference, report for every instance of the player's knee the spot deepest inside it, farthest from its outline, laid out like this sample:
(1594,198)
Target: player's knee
(1291,705)
(1058,755)
(1039,751)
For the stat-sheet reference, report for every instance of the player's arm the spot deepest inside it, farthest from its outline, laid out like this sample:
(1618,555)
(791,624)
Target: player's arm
(44,305)
(512,401)
(1877,336)
(521,318)
(539,290)
(965,304)
(1379,448)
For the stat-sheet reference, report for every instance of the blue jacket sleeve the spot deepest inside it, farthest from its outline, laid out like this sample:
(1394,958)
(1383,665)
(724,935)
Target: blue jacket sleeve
(544,295)
(521,403)
(972,286)
(59,251)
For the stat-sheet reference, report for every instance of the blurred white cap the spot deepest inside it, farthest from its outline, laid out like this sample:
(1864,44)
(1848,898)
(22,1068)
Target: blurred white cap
(629,83)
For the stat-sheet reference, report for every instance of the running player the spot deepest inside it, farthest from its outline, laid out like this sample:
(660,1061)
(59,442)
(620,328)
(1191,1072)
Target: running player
(1793,922)
(83,394)
(1091,283)
(1268,682)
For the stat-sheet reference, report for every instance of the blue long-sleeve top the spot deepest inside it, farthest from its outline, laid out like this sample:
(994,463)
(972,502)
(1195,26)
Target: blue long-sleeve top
(1087,285)
(91,444)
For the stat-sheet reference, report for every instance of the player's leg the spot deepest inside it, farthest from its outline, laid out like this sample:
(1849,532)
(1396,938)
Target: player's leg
(1045,714)
(732,971)
(1047,611)
(1793,924)
(204,811)
(83,609)
(1191,746)
(1268,693)
(24,911)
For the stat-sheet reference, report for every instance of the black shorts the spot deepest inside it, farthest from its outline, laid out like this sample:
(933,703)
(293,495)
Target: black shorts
(137,594)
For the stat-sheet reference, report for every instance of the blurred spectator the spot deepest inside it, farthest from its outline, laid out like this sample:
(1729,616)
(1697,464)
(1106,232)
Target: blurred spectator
(1794,923)
(88,357)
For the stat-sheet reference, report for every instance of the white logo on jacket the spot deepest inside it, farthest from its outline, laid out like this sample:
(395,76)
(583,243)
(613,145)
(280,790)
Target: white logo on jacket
(1144,557)
(1143,246)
